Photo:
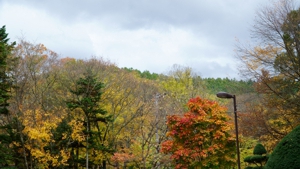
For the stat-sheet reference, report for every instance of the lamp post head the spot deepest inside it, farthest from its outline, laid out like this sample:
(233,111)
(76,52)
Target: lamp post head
(225,95)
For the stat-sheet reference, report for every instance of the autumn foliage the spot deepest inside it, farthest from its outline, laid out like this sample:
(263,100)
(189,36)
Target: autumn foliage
(201,138)
(58,112)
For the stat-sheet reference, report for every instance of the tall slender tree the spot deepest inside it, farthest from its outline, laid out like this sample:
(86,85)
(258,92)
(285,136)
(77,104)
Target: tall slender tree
(274,64)
(87,99)
(6,132)
(5,78)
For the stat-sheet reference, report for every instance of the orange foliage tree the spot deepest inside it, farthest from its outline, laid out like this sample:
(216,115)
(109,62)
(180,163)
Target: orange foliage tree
(201,138)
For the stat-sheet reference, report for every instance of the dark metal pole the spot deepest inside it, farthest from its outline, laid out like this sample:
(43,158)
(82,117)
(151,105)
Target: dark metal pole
(229,96)
(236,133)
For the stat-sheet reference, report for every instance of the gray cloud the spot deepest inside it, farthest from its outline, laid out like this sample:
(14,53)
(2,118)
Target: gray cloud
(159,32)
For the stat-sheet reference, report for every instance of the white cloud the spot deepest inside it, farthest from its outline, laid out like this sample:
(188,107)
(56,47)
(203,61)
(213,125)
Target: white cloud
(145,35)
(38,27)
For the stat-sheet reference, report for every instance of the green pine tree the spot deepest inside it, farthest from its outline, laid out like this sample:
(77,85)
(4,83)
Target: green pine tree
(7,134)
(87,98)
(5,79)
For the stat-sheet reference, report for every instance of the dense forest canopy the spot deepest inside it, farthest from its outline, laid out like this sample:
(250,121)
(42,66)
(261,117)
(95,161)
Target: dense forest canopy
(77,113)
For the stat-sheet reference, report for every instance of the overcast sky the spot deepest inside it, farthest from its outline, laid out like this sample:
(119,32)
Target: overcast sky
(143,34)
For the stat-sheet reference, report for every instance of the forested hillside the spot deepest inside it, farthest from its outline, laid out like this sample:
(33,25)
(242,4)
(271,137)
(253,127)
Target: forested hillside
(77,113)
(212,85)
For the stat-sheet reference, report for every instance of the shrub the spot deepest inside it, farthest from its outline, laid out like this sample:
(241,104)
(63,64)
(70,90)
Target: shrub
(286,153)
(259,149)
(258,158)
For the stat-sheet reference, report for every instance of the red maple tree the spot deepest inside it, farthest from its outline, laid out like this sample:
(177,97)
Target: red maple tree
(202,137)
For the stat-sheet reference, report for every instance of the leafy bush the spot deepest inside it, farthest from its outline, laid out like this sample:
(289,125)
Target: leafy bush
(259,149)
(259,157)
(248,159)
(286,153)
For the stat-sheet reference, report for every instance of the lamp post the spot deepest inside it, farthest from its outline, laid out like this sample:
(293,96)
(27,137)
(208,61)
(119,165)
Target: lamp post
(229,96)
